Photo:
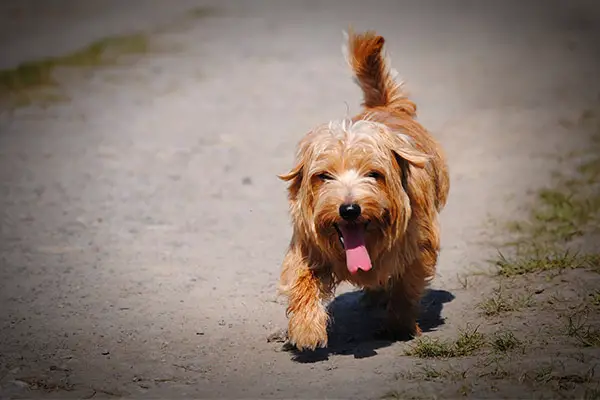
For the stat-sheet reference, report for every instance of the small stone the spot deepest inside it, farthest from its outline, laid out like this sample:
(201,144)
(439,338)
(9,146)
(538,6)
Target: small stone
(199,333)
(20,383)
(105,352)
(539,290)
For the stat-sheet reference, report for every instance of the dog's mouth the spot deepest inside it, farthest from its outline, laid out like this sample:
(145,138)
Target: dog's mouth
(352,239)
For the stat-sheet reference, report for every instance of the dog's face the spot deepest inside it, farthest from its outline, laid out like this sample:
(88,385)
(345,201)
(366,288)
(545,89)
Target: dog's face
(348,190)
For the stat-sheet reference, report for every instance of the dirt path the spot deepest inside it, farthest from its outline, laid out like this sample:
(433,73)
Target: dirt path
(142,222)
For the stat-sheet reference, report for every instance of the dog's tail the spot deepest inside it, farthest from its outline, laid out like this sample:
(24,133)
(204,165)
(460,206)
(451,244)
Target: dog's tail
(364,54)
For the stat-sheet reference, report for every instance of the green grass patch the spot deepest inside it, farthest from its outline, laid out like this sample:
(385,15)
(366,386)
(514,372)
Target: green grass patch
(500,303)
(579,328)
(567,210)
(468,342)
(560,214)
(31,80)
(396,394)
(595,298)
(541,260)
(504,342)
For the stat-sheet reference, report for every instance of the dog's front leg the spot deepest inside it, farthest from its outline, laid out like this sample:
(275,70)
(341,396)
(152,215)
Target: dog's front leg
(404,304)
(306,289)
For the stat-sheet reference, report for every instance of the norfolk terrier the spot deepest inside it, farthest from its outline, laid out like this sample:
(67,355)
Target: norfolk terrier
(364,196)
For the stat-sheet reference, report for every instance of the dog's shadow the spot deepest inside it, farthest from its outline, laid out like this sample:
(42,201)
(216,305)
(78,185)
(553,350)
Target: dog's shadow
(354,326)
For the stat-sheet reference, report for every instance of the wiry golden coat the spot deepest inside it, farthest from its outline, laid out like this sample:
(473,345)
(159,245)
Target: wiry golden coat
(385,161)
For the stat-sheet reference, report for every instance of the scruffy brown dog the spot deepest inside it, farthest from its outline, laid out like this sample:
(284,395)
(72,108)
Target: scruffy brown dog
(364,195)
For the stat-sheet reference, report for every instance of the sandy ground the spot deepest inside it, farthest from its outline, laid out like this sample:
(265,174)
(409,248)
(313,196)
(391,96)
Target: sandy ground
(143,225)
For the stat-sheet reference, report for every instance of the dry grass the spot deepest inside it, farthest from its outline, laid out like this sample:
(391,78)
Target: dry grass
(560,214)
(579,327)
(469,341)
(539,259)
(505,341)
(502,302)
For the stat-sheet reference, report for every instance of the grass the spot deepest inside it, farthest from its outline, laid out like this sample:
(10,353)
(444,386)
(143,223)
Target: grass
(561,213)
(504,342)
(395,394)
(595,298)
(547,375)
(463,280)
(501,303)
(579,328)
(429,373)
(27,82)
(537,259)
(468,342)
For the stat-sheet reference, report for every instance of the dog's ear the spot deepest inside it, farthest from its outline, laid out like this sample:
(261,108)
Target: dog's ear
(404,149)
(406,155)
(295,176)
(293,173)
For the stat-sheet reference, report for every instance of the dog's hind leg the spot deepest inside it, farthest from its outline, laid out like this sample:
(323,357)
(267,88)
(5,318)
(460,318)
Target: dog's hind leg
(306,290)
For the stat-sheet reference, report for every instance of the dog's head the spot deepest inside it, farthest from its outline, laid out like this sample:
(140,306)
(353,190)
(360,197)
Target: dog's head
(348,189)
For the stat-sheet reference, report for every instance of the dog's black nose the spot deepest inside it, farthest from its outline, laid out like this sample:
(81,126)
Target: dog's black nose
(349,211)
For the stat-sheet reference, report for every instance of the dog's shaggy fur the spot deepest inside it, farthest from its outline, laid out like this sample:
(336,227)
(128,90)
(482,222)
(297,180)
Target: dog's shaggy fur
(385,162)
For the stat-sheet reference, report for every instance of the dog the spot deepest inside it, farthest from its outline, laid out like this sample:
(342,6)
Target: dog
(364,198)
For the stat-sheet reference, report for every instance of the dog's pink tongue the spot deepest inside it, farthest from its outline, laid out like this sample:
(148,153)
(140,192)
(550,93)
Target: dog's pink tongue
(357,256)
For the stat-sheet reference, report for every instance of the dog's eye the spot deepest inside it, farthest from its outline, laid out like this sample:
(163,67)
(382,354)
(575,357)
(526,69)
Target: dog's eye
(325,176)
(374,175)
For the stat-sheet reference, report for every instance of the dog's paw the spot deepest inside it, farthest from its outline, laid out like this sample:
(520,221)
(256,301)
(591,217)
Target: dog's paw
(308,333)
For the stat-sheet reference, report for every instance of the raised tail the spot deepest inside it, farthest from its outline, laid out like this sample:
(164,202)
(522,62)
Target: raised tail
(372,73)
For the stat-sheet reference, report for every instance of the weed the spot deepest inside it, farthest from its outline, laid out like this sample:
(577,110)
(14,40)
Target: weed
(595,298)
(395,394)
(430,373)
(465,389)
(467,343)
(540,261)
(431,348)
(463,280)
(547,375)
(544,374)
(578,328)
(500,303)
(506,341)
